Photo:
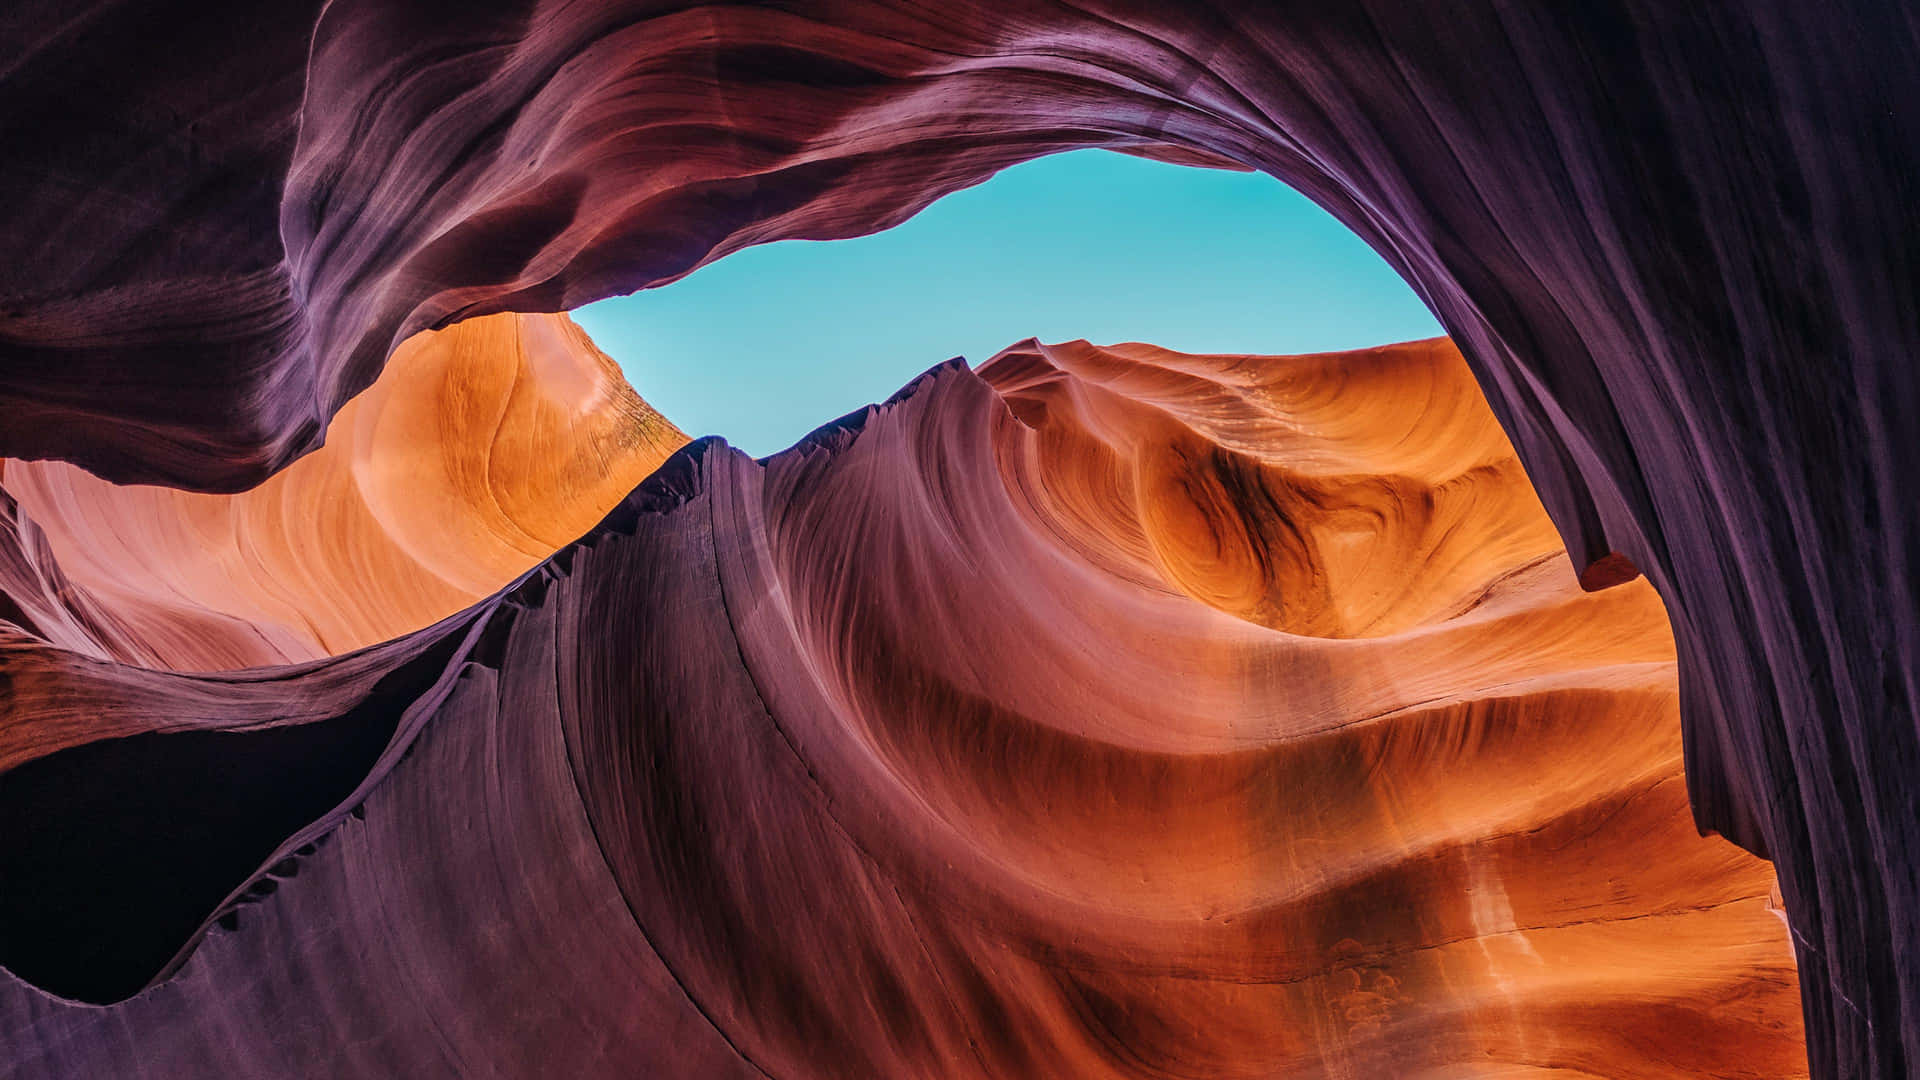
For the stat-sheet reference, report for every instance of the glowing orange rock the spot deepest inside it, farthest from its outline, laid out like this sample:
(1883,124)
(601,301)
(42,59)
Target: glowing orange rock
(1108,713)
(481,449)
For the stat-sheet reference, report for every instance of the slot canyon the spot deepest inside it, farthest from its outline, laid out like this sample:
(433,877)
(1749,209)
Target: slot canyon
(387,689)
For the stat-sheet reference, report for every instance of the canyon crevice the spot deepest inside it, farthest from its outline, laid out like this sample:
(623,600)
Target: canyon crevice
(857,761)
(1675,245)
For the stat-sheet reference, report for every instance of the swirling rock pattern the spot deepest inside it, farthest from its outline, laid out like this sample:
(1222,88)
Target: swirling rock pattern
(862,761)
(482,448)
(1675,243)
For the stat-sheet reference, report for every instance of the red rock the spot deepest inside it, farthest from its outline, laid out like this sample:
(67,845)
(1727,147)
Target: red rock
(482,448)
(1673,242)
(1113,712)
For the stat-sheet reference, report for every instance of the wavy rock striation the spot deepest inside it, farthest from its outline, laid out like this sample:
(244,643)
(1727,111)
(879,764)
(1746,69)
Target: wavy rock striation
(1675,243)
(861,761)
(482,448)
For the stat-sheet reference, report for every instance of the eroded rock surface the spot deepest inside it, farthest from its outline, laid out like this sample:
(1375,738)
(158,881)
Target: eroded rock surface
(1108,713)
(1675,242)
(482,448)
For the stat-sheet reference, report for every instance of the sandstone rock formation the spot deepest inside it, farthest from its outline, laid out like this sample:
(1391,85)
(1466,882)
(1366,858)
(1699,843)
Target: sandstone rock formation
(1111,712)
(1674,242)
(482,448)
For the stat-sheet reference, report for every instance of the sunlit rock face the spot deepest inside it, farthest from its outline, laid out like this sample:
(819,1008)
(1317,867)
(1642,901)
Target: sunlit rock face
(482,448)
(1673,241)
(1108,713)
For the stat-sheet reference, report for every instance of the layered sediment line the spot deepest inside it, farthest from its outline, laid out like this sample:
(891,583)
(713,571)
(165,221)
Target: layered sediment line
(1107,713)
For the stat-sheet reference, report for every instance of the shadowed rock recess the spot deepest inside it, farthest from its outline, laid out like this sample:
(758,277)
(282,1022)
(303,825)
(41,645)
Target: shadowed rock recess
(1109,712)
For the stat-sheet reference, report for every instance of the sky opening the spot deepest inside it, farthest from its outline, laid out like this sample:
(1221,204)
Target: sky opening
(771,342)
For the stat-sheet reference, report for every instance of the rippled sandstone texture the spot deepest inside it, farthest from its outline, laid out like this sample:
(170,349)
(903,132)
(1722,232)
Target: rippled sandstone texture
(1675,243)
(861,761)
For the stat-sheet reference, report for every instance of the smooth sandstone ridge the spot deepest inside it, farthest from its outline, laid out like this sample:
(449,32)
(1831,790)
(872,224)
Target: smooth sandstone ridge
(1110,712)
(481,449)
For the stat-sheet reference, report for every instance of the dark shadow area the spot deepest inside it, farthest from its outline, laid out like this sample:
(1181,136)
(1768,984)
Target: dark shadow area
(113,853)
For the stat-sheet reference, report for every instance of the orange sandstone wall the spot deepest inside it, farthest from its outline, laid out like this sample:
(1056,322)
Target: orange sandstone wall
(1675,242)
(481,449)
(1105,713)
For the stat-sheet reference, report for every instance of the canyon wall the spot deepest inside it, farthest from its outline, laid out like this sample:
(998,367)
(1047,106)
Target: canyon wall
(1107,713)
(1674,242)
(483,447)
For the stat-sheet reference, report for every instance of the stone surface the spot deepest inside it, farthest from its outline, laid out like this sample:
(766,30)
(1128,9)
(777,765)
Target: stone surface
(1109,713)
(1675,243)
(481,449)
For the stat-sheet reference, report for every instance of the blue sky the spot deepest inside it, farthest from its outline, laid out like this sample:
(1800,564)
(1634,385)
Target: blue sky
(771,342)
